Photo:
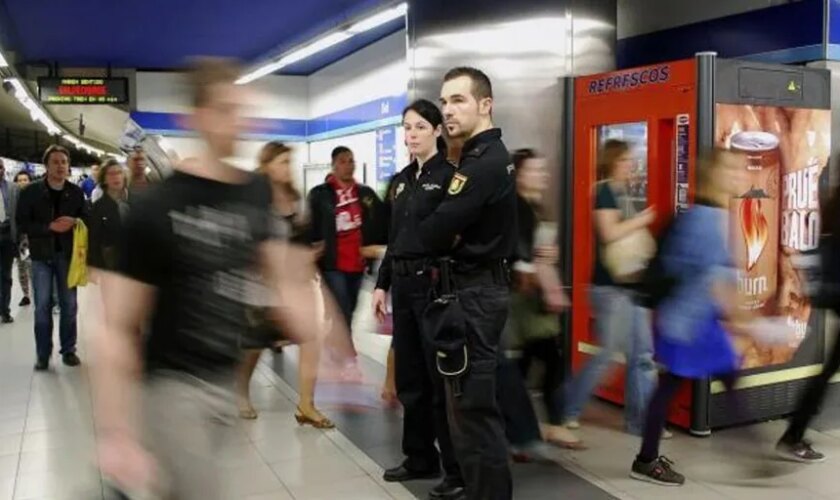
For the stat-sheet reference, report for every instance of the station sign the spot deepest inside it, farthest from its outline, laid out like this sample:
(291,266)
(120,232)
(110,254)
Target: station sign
(83,90)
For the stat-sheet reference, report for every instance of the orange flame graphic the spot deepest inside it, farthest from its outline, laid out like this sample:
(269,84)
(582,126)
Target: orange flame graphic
(755,228)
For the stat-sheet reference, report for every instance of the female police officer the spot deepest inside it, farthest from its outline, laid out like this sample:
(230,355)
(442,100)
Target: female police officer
(414,194)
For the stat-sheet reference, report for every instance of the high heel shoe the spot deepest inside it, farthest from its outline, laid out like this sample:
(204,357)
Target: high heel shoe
(318,423)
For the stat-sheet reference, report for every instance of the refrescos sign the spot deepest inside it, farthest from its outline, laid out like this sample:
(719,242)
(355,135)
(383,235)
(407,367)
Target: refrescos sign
(629,80)
(777,213)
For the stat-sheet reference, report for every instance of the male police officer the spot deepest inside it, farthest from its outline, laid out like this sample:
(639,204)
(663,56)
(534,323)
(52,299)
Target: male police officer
(477,222)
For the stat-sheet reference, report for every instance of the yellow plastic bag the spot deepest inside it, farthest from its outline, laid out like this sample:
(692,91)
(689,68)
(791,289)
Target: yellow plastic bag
(78,275)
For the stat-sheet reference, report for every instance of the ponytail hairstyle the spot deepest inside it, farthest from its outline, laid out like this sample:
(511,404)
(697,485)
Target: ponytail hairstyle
(431,113)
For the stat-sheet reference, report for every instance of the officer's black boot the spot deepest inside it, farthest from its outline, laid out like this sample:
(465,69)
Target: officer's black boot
(449,489)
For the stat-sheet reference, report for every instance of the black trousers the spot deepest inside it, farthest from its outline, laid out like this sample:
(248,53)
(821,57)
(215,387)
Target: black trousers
(812,398)
(419,386)
(7,257)
(475,421)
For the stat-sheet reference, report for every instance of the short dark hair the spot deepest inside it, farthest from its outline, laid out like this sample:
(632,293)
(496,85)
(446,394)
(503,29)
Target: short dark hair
(55,148)
(204,72)
(481,86)
(22,172)
(340,150)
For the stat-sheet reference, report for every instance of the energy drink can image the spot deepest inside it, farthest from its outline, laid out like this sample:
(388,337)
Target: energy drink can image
(754,216)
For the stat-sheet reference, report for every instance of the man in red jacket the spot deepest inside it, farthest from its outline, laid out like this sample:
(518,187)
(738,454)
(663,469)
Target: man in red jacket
(346,216)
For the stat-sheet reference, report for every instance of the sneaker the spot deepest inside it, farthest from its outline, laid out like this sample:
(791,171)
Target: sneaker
(572,423)
(800,451)
(666,434)
(24,302)
(42,365)
(657,472)
(71,359)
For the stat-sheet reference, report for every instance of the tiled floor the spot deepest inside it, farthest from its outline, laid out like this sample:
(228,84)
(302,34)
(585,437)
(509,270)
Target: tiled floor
(47,438)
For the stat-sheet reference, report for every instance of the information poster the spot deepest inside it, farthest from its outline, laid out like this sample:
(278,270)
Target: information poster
(775,216)
(386,154)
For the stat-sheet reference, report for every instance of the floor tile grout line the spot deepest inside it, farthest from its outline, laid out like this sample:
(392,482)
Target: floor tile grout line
(276,380)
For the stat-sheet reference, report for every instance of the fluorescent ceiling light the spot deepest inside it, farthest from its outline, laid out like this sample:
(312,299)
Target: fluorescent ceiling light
(324,43)
(260,72)
(3,62)
(377,20)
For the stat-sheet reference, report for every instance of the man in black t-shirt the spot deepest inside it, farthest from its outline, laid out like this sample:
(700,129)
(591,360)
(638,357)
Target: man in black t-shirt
(189,247)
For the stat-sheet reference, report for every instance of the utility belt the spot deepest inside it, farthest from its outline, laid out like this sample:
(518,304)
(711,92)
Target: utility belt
(444,320)
(411,267)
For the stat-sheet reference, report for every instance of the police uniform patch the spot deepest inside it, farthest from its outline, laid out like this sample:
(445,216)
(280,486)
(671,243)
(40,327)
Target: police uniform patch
(457,184)
(399,190)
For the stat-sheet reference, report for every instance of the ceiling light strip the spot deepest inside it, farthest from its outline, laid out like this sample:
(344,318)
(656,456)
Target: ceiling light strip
(39,115)
(321,44)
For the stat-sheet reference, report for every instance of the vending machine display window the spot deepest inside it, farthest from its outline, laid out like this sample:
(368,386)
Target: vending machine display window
(636,135)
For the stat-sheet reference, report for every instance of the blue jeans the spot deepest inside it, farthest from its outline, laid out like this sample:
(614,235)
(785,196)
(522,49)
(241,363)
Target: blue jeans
(345,289)
(45,276)
(620,324)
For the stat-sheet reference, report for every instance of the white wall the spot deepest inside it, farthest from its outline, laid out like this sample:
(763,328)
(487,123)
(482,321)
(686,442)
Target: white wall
(379,70)
(245,156)
(637,17)
(270,97)
(364,150)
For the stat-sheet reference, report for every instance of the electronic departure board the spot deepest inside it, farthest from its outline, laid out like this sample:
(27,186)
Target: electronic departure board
(83,90)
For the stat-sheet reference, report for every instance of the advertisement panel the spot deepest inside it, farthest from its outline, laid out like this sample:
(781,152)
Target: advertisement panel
(776,216)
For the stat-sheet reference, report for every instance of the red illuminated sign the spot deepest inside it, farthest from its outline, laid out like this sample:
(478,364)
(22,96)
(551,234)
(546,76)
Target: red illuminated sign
(73,90)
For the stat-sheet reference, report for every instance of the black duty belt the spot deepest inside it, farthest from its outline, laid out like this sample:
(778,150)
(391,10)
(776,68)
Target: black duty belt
(471,274)
(411,267)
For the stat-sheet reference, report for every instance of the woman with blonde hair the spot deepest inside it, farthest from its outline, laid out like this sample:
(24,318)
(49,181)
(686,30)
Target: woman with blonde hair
(275,161)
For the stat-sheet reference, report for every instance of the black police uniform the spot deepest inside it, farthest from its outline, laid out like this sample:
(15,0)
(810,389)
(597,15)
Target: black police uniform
(405,270)
(478,216)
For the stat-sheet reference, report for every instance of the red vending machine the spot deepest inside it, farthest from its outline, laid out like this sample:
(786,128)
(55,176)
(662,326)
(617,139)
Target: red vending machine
(780,118)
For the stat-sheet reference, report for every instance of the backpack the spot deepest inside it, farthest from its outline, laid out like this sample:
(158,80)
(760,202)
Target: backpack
(656,284)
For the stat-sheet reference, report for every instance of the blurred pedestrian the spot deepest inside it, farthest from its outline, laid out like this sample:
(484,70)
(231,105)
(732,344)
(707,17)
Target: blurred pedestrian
(191,244)
(619,320)
(89,182)
(793,445)
(138,179)
(289,223)
(345,217)
(8,249)
(699,314)
(107,216)
(538,296)
(24,261)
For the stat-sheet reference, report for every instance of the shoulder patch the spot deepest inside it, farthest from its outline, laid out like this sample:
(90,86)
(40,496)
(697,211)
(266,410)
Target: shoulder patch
(399,190)
(457,183)
(478,150)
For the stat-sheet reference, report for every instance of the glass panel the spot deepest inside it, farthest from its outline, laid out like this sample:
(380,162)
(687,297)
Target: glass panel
(637,135)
